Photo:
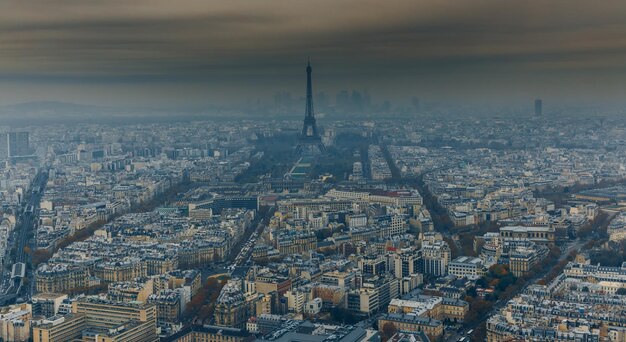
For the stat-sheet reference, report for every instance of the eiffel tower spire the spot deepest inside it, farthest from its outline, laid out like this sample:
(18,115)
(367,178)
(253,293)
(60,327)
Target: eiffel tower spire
(309,138)
(309,91)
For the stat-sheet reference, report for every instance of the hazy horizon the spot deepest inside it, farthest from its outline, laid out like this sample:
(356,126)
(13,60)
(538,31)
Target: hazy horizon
(194,53)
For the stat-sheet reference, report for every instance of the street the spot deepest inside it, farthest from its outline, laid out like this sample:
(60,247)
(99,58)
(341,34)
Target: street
(17,288)
(498,305)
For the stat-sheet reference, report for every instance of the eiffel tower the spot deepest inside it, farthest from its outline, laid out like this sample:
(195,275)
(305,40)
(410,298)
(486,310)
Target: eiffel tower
(310,141)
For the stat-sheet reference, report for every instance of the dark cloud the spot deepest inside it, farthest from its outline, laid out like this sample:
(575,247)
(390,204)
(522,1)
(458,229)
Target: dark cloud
(230,51)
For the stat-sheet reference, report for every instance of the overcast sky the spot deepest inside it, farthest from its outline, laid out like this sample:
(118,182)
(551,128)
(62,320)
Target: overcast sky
(165,52)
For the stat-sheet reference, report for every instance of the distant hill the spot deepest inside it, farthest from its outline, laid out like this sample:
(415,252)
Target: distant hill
(50,109)
(39,106)
(49,112)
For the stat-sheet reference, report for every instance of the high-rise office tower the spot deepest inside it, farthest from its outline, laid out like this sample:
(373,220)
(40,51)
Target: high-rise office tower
(17,144)
(538,107)
(12,141)
(310,140)
(23,144)
(4,146)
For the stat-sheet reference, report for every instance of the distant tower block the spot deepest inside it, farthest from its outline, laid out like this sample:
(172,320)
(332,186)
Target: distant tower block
(310,141)
(538,107)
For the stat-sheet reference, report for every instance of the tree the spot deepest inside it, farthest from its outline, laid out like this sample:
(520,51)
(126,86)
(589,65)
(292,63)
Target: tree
(555,252)
(343,315)
(389,329)
(454,250)
(41,255)
(498,270)
(203,303)
(322,234)
(467,244)
(621,291)
(478,309)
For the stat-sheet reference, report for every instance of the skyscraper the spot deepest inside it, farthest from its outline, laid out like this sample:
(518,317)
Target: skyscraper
(18,144)
(538,107)
(310,140)
(4,146)
(23,144)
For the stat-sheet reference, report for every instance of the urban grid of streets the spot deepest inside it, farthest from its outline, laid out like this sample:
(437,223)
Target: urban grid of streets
(380,164)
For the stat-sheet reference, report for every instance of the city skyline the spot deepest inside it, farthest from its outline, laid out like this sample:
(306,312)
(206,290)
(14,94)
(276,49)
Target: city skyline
(328,171)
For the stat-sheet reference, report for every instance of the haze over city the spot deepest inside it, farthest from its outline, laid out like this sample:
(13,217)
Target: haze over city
(197,53)
(322,171)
